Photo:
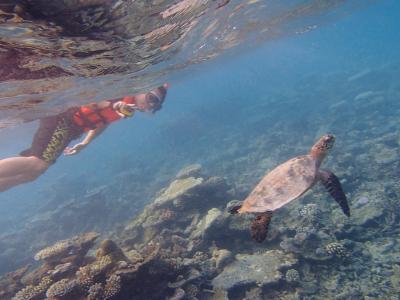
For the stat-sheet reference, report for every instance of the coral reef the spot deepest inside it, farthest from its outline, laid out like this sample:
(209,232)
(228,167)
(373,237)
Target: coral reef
(75,248)
(183,204)
(96,291)
(222,258)
(156,250)
(311,213)
(185,245)
(262,269)
(12,281)
(31,292)
(112,286)
(292,276)
(62,288)
(337,249)
(193,170)
(88,274)
(107,275)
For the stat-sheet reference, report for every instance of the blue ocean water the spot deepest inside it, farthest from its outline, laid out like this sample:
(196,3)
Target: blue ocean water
(239,116)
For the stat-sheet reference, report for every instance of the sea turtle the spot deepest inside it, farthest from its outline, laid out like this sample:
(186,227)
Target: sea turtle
(288,182)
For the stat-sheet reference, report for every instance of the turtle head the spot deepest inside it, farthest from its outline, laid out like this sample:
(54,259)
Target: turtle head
(322,147)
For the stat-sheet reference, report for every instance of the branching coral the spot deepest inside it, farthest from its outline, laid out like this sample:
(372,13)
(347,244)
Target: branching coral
(96,292)
(28,293)
(62,288)
(311,213)
(87,275)
(32,292)
(101,265)
(112,287)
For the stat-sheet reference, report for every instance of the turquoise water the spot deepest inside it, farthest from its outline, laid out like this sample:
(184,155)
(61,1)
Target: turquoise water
(239,116)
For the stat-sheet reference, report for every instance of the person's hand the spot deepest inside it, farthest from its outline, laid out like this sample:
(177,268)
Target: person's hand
(75,149)
(123,109)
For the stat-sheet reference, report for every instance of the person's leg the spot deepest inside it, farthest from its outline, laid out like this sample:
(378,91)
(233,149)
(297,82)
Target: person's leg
(17,170)
(10,182)
(51,138)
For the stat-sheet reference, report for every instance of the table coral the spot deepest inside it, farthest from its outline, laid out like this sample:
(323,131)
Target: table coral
(79,244)
(57,250)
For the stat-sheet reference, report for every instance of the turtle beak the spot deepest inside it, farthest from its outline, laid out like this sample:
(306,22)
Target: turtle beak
(329,140)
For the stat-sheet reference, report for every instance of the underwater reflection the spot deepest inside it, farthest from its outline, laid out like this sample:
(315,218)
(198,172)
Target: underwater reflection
(63,49)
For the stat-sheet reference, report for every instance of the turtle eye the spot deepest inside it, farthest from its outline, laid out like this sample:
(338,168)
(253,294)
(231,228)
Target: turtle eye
(329,140)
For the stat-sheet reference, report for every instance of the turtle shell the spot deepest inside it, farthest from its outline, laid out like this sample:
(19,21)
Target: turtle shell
(283,184)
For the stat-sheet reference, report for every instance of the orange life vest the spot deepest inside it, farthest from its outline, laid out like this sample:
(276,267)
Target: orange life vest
(90,116)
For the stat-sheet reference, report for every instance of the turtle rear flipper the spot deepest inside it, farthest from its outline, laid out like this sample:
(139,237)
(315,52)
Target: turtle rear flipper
(333,186)
(259,226)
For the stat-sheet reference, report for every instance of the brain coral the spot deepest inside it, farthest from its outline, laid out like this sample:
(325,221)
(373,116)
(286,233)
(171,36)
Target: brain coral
(292,275)
(337,249)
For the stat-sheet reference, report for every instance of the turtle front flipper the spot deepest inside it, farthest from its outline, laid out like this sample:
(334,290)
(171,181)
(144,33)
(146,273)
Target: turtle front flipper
(333,186)
(259,226)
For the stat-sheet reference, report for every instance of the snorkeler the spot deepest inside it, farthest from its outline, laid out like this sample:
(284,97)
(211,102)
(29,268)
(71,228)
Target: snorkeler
(56,132)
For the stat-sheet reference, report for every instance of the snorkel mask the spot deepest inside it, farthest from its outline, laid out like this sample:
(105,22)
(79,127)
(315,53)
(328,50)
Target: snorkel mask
(154,101)
(156,98)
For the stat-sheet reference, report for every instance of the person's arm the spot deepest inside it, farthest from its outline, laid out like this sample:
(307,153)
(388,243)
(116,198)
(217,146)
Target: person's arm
(118,107)
(88,138)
